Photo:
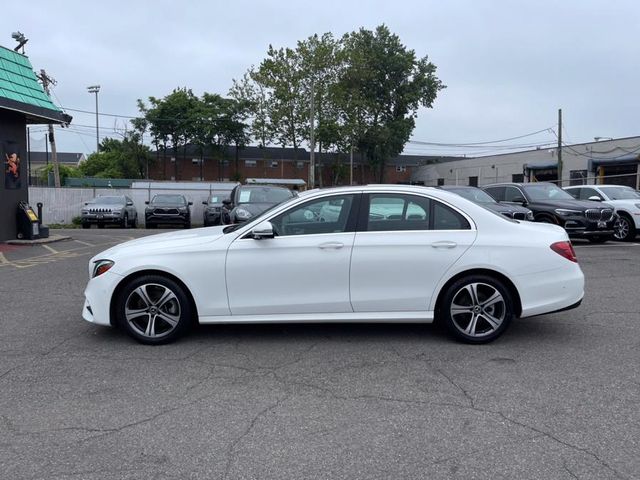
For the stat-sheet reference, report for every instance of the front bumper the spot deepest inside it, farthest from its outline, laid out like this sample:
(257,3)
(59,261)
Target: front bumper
(580,227)
(101,218)
(97,294)
(168,219)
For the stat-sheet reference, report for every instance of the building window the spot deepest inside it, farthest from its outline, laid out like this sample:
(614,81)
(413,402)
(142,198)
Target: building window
(197,179)
(440,182)
(517,178)
(473,181)
(195,161)
(173,159)
(578,177)
(250,163)
(401,168)
(299,164)
(274,164)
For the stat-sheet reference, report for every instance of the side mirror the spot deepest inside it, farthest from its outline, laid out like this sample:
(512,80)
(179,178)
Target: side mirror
(147,202)
(129,204)
(190,203)
(86,203)
(262,230)
(519,200)
(204,203)
(595,198)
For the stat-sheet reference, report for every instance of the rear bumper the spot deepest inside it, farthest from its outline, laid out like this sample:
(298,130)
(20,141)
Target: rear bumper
(551,291)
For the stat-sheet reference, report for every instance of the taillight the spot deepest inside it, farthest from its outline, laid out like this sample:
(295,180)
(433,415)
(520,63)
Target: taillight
(565,249)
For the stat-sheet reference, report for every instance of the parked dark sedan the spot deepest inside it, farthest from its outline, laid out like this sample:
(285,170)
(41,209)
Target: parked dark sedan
(479,196)
(214,210)
(247,201)
(551,204)
(166,209)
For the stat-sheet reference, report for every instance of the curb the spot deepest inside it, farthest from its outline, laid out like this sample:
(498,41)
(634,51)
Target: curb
(39,241)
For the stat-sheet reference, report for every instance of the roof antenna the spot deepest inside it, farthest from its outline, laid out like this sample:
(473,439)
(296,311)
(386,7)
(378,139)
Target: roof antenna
(21,39)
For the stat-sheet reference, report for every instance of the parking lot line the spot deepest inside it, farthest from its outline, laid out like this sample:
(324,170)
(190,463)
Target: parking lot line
(51,249)
(83,243)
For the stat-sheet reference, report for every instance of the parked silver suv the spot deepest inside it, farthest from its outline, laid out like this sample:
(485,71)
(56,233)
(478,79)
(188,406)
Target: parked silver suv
(110,209)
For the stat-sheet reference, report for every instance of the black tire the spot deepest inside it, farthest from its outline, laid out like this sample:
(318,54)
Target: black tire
(86,225)
(187,225)
(177,308)
(546,219)
(134,224)
(491,320)
(151,225)
(625,229)
(125,221)
(599,239)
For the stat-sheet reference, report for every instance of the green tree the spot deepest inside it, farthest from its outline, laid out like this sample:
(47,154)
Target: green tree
(126,158)
(66,171)
(382,85)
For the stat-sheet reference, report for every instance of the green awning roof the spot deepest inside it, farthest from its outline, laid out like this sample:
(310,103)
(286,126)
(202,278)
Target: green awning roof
(20,90)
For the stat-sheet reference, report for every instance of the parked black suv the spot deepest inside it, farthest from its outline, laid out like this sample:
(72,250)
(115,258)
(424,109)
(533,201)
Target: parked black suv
(168,210)
(551,204)
(482,198)
(214,210)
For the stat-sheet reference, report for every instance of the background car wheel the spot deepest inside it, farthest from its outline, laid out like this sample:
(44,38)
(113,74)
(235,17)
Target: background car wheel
(153,309)
(477,309)
(187,225)
(134,223)
(86,225)
(624,229)
(151,225)
(101,225)
(546,219)
(125,221)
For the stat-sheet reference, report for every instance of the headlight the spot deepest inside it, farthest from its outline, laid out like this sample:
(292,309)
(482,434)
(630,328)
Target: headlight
(100,267)
(566,213)
(530,216)
(116,212)
(183,209)
(242,213)
(84,212)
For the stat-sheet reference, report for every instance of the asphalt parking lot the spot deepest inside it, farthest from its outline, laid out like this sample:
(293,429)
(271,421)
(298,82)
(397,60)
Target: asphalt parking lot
(557,397)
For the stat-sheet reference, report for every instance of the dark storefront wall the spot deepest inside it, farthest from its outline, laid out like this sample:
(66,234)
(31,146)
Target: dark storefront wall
(13,134)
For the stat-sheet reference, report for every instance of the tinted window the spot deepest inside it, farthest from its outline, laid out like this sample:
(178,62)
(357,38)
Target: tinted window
(512,193)
(169,200)
(495,192)
(263,195)
(397,212)
(546,191)
(585,193)
(574,192)
(326,215)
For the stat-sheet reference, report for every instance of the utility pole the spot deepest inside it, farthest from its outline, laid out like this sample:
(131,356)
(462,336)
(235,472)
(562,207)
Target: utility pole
(95,89)
(312,163)
(46,82)
(560,147)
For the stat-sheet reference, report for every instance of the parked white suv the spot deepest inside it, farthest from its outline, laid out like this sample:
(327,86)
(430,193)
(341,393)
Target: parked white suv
(626,201)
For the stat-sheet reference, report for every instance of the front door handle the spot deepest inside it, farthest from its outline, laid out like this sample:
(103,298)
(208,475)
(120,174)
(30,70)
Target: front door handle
(444,244)
(334,245)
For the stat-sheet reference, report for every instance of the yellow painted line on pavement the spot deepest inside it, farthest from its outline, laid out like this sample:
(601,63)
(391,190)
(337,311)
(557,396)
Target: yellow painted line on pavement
(3,259)
(51,249)
(84,243)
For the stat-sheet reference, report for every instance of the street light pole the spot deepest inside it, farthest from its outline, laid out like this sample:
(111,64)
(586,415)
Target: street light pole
(95,89)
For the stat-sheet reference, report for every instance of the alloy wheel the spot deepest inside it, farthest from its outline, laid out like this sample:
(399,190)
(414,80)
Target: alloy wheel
(152,310)
(621,229)
(478,310)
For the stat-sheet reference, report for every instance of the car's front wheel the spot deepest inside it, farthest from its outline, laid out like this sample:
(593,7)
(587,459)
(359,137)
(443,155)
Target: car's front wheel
(624,229)
(154,309)
(477,309)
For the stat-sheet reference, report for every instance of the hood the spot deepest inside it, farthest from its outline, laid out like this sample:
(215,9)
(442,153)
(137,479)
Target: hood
(572,204)
(104,206)
(164,241)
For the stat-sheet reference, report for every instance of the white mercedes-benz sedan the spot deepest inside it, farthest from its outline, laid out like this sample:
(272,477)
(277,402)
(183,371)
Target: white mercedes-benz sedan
(377,253)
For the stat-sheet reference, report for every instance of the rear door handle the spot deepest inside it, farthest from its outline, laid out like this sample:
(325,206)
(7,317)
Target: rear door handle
(444,244)
(334,245)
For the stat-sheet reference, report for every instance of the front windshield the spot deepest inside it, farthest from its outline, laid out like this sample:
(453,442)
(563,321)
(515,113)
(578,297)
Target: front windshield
(168,200)
(263,195)
(620,193)
(215,199)
(474,194)
(546,191)
(107,200)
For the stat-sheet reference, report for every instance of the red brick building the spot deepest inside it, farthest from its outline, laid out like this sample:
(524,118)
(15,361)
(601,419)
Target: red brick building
(277,163)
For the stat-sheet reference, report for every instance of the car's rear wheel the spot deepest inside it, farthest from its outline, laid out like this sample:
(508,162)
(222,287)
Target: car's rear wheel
(624,229)
(477,309)
(125,221)
(154,309)
(86,225)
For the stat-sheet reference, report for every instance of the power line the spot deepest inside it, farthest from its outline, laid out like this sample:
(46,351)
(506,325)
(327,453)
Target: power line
(472,144)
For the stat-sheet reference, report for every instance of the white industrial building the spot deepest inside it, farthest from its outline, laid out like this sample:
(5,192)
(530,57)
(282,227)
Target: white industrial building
(606,161)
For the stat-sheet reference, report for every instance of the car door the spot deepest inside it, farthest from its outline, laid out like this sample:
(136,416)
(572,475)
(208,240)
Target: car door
(303,269)
(403,245)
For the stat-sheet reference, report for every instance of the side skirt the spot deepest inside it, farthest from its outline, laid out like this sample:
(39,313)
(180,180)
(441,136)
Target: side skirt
(347,317)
